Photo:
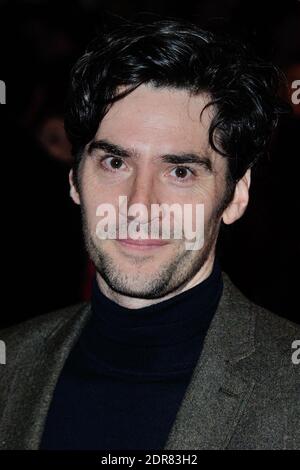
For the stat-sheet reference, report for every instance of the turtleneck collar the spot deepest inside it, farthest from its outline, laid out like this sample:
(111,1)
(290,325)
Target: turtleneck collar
(165,337)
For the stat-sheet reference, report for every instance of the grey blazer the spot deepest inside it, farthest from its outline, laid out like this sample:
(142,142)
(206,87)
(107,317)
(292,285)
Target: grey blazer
(244,392)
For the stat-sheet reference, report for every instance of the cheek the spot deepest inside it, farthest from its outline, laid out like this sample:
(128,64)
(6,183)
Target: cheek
(210,201)
(93,197)
(95,193)
(204,196)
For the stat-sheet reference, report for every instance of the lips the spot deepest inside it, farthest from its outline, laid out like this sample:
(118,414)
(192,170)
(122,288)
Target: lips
(142,244)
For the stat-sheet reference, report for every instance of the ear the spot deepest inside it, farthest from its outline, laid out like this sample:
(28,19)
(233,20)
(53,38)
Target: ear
(73,191)
(240,200)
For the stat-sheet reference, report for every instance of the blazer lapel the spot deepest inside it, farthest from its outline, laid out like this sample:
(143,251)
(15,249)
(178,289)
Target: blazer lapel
(218,391)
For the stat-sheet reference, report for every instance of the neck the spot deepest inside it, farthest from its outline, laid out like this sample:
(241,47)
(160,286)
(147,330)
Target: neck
(137,302)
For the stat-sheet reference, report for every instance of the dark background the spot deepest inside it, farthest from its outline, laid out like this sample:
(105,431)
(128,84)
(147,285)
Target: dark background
(43,262)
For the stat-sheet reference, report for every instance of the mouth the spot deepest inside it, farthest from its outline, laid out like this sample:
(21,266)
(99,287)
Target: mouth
(142,245)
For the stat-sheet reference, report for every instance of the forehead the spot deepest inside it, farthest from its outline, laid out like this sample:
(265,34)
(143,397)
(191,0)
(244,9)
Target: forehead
(153,119)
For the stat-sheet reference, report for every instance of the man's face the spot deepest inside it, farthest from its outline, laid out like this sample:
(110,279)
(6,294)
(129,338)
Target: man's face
(155,130)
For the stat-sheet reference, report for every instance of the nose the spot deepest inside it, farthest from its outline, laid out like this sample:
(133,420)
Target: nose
(141,194)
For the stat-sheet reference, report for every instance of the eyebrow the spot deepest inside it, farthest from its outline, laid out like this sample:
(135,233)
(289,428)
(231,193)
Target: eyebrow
(109,147)
(181,158)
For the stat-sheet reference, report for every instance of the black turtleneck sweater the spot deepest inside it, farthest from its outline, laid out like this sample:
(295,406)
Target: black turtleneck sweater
(125,378)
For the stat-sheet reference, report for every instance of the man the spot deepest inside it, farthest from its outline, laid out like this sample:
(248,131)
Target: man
(168,354)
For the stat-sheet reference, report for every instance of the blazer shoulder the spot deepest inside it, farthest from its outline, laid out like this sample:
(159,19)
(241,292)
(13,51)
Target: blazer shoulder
(271,325)
(268,325)
(271,336)
(39,328)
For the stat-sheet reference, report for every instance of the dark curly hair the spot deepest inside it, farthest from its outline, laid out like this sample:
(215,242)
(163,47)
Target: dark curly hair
(177,54)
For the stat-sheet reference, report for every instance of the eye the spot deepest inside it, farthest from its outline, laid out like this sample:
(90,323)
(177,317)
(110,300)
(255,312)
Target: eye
(182,172)
(113,163)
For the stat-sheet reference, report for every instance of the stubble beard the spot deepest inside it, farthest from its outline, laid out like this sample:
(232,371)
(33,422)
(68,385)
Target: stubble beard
(170,277)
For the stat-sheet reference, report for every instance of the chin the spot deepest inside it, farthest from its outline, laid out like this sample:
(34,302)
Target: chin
(136,290)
